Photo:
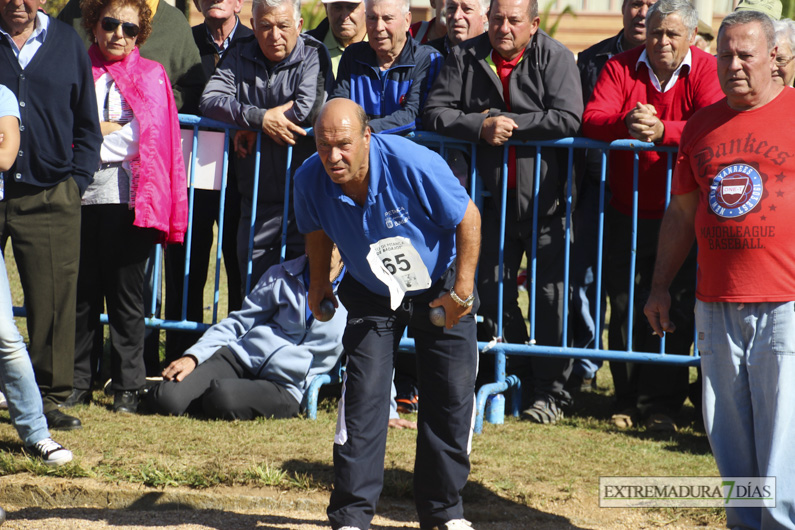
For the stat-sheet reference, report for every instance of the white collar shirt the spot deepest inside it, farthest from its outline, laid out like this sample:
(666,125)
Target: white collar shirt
(686,62)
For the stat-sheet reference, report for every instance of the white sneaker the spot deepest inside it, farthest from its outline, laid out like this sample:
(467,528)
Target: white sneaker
(455,524)
(348,528)
(51,452)
(3,402)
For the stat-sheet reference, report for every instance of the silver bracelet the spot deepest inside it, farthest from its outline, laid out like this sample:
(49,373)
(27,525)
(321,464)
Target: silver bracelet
(463,303)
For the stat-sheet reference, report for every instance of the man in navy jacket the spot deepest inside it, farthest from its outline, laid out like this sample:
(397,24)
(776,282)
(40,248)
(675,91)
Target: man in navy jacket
(391,74)
(46,66)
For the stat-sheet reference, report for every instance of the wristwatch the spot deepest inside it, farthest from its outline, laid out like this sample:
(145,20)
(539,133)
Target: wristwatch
(463,303)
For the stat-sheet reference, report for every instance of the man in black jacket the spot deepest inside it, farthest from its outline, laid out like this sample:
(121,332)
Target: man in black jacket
(517,83)
(343,26)
(465,19)
(221,28)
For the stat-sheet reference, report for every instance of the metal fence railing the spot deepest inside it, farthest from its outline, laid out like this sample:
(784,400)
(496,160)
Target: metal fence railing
(490,400)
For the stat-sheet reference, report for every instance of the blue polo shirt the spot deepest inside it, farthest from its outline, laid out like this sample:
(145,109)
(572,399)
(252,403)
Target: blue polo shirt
(412,194)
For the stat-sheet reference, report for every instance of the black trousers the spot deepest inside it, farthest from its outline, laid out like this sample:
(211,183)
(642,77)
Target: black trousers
(113,253)
(540,375)
(446,366)
(44,227)
(651,388)
(206,204)
(222,388)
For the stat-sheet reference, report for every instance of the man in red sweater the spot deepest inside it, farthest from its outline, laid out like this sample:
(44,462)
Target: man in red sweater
(648,94)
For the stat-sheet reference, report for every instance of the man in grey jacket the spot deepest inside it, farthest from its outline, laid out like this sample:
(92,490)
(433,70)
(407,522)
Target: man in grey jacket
(517,83)
(260,360)
(273,81)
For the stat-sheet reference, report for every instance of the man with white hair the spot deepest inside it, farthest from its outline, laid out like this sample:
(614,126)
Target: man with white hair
(733,177)
(466,19)
(648,94)
(785,56)
(390,75)
(273,81)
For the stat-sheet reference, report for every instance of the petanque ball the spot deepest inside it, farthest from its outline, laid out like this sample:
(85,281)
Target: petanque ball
(438,317)
(326,310)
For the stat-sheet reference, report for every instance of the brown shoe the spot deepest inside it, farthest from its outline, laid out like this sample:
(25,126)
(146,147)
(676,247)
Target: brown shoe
(626,419)
(660,423)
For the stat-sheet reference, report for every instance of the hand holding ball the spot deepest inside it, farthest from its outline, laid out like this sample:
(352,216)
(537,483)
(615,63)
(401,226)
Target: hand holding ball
(438,316)
(325,311)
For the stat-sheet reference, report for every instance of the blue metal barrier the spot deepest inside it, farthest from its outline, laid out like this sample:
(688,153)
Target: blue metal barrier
(490,402)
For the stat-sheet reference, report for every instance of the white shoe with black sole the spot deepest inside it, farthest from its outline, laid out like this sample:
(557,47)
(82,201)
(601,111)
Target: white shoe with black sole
(51,452)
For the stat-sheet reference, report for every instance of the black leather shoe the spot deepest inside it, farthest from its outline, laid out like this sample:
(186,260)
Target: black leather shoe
(58,421)
(77,397)
(125,401)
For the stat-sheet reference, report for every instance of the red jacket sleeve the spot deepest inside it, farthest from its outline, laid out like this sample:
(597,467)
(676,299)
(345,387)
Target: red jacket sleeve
(603,118)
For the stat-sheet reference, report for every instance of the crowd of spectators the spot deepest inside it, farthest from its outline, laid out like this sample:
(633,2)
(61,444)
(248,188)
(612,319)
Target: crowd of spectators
(95,178)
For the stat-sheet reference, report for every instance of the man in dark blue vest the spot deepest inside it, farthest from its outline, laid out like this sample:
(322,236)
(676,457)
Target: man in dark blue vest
(46,66)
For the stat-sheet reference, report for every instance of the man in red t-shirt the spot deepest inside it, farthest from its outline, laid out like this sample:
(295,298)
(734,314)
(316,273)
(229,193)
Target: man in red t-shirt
(733,181)
(648,93)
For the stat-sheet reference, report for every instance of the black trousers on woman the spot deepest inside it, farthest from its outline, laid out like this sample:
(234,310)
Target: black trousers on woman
(113,253)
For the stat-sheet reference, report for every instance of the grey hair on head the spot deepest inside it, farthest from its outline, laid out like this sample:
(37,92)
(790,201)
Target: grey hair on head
(683,8)
(484,7)
(405,5)
(737,18)
(785,32)
(276,3)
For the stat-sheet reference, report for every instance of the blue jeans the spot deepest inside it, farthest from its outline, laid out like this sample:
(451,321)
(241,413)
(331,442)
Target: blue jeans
(16,373)
(748,367)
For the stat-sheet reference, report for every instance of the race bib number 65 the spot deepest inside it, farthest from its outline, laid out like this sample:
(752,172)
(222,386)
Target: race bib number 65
(396,262)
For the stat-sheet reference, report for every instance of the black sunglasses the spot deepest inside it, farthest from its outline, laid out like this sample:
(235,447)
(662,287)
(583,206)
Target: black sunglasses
(110,24)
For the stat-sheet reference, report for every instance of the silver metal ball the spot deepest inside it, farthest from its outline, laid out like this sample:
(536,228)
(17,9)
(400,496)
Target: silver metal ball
(437,316)
(325,311)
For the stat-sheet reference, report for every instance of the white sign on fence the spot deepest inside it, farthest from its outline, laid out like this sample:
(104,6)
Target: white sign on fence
(209,158)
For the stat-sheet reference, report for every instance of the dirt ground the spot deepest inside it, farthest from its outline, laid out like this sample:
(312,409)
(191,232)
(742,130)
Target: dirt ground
(54,503)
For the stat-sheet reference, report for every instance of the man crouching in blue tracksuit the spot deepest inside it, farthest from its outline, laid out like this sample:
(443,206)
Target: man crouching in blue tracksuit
(410,237)
(260,360)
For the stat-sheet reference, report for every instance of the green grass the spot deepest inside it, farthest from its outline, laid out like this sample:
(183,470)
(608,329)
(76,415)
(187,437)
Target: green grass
(517,467)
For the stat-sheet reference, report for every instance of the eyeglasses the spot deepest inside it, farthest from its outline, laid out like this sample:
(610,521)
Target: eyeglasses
(110,24)
(783,61)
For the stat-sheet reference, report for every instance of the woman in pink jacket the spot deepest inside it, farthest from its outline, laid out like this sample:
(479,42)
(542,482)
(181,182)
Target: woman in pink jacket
(137,197)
